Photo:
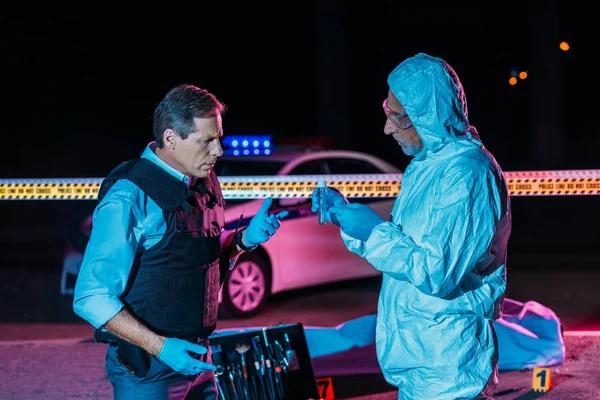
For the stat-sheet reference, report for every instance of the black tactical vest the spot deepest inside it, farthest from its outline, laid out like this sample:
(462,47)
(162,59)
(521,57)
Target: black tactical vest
(173,286)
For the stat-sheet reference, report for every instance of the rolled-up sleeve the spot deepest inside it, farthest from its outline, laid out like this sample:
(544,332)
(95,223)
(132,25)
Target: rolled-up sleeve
(108,260)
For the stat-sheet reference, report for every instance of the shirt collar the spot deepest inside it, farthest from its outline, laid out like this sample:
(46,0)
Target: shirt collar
(150,154)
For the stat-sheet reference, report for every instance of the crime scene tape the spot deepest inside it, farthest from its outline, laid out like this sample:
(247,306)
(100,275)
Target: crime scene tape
(520,183)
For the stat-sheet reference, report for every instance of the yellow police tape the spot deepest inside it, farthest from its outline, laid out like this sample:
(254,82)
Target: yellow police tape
(520,183)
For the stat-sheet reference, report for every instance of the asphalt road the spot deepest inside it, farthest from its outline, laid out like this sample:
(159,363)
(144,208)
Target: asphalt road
(45,351)
(69,370)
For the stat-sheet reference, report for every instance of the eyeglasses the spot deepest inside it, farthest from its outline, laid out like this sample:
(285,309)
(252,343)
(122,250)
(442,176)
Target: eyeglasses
(402,120)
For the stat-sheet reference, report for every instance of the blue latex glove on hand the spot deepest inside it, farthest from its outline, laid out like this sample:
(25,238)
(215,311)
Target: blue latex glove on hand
(175,354)
(334,199)
(356,220)
(262,226)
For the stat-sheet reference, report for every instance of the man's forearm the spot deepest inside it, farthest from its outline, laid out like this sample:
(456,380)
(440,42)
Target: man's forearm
(125,326)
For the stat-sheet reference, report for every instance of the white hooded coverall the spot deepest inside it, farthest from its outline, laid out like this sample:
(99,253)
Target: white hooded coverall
(443,253)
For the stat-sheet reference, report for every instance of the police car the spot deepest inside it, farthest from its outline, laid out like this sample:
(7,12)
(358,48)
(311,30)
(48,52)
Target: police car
(302,253)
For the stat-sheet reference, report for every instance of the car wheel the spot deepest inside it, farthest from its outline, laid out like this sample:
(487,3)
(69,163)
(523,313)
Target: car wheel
(247,287)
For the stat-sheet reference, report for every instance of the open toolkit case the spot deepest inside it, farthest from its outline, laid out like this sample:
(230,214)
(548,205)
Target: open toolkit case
(269,363)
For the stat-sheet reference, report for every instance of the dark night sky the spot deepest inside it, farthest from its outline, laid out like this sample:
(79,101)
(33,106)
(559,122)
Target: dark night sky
(81,81)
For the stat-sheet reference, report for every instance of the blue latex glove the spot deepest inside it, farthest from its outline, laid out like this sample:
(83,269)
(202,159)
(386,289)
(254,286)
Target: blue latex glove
(334,198)
(356,220)
(262,226)
(175,354)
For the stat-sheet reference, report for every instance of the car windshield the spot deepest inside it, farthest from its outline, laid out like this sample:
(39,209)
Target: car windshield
(246,167)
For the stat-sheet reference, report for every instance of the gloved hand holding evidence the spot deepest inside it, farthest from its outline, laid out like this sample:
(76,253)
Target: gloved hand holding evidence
(356,220)
(334,199)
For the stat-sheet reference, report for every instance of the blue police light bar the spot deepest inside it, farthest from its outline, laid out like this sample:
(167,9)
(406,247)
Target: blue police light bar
(249,142)
(246,152)
(242,152)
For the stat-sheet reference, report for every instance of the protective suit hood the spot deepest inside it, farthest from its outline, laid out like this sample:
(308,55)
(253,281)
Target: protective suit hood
(434,99)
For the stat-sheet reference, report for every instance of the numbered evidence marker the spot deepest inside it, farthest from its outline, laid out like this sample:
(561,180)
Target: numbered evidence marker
(325,386)
(542,379)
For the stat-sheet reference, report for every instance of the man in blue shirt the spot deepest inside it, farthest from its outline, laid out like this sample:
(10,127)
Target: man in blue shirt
(155,261)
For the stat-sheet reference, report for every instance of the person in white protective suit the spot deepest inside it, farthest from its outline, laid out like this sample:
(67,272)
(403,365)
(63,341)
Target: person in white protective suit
(443,252)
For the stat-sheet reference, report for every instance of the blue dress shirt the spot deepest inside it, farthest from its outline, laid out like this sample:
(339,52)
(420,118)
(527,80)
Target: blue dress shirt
(124,222)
